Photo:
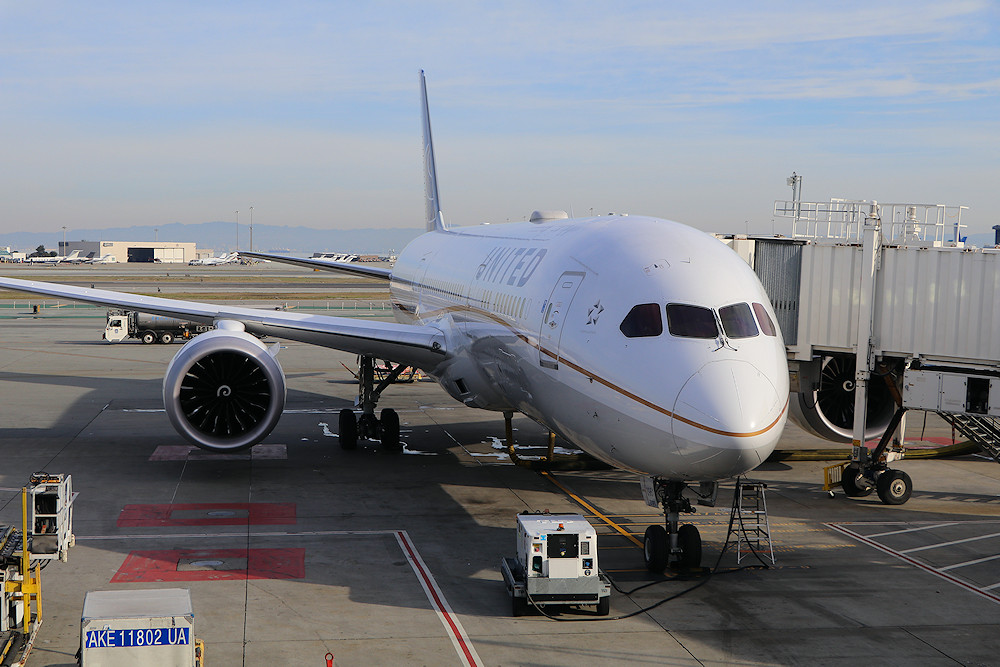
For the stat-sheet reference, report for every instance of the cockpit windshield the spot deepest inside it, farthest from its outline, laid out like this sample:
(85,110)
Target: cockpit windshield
(643,320)
(737,321)
(691,321)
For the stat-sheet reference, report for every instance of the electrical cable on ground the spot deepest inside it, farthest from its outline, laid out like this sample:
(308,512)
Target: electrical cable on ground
(704,576)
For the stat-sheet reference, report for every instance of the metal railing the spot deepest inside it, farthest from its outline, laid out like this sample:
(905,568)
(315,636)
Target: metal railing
(844,219)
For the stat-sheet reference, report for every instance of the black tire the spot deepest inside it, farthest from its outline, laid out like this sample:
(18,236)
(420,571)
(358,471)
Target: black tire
(166,338)
(389,430)
(894,487)
(689,542)
(656,548)
(604,606)
(348,429)
(851,483)
(148,337)
(519,606)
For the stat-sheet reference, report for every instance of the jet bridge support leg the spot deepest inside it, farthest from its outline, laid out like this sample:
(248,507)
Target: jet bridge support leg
(368,425)
(672,544)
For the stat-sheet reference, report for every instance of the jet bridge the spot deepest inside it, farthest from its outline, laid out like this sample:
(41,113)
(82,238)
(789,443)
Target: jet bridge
(895,282)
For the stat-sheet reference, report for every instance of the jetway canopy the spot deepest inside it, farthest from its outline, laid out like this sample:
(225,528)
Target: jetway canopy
(931,301)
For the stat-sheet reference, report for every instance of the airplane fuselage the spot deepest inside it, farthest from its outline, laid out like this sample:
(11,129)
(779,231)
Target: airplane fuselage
(583,325)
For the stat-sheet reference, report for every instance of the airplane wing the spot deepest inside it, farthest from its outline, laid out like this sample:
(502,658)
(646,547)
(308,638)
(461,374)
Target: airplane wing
(324,265)
(413,345)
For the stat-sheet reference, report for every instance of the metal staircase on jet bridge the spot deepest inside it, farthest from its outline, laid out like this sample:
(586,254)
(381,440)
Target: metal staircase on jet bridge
(980,429)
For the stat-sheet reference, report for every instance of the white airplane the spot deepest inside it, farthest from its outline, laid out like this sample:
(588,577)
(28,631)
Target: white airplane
(104,259)
(225,258)
(71,258)
(649,344)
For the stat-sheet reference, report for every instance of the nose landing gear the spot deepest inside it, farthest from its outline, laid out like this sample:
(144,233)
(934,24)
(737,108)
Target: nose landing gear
(367,425)
(673,544)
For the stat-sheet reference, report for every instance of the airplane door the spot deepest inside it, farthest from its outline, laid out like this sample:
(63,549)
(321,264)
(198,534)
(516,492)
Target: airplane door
(555,313)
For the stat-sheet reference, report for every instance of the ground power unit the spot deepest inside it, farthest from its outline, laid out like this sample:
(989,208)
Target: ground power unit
(556,564)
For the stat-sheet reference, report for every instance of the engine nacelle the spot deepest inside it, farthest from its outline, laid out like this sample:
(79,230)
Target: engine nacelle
(828,412)
(224,391)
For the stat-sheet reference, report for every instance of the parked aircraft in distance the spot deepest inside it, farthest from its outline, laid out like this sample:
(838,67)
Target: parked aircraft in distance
(336,256)
(104,259)
(225,258)
(648,344)
(56,259)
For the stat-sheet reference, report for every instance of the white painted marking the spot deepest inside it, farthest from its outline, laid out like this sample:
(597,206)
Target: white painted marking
(970,562)
(192,453)
(911,530)
(459,638)
(948,544)
(982,592)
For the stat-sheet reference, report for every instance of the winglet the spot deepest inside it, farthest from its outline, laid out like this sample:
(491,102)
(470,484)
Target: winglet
(435,221)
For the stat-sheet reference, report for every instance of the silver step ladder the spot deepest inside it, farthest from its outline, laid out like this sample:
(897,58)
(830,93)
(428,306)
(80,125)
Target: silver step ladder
(749,521)
(980,429)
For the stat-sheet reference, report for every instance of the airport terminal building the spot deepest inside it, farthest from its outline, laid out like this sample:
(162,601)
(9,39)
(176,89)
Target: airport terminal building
(167,252)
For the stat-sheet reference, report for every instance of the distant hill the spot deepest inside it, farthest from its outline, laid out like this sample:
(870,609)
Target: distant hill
(221,236)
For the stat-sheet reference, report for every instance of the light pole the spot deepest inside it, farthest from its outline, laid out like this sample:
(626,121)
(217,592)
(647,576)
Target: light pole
(796,182)
(237,230)
(62,250)
(251,229)
(156,234)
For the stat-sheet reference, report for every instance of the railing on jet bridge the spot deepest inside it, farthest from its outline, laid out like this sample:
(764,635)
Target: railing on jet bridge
(843,219)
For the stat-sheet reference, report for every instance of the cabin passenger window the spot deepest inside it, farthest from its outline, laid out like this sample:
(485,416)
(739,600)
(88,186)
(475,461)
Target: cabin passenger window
(691,321)
(737,321)
(643,320)
(766,325)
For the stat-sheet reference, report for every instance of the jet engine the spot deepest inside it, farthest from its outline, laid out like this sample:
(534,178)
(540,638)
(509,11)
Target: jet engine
(224,391)
(828,411)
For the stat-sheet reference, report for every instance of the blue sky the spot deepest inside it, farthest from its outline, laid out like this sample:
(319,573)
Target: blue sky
(147,113)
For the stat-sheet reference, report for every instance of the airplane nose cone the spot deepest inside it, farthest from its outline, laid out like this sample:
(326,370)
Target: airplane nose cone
(727,416)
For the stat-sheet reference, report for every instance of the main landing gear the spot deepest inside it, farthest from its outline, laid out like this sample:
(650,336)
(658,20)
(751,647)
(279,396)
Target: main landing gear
(870,472)
(678,546)
(367,425)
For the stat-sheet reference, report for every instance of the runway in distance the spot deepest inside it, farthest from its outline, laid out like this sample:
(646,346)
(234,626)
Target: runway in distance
(647,343)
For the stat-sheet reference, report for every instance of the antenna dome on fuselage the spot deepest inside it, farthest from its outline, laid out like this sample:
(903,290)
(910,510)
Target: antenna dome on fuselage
(545,216)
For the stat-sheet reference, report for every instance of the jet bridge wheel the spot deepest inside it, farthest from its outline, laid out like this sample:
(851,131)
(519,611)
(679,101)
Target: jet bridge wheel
(348,429)
(894,487)
(853,484)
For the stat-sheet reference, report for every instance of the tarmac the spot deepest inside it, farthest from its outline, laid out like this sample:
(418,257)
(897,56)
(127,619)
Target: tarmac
(301,549)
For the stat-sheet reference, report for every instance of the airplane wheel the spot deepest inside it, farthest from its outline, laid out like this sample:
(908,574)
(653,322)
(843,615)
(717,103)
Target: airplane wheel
(389,428)
(604,606)
(166,338)
(656,548)
(148,337)
(348,429)
(894,487)
(689,542)
(852,484)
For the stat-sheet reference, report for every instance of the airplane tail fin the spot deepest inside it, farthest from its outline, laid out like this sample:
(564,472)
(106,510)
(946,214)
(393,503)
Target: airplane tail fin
(435,220)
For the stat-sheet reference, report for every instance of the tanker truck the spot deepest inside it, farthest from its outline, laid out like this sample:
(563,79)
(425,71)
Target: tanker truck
(148,328)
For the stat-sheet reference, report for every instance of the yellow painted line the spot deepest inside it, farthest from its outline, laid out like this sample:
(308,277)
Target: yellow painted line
(593,510)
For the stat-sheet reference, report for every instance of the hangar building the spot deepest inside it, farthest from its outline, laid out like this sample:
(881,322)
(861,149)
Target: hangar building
(166,252)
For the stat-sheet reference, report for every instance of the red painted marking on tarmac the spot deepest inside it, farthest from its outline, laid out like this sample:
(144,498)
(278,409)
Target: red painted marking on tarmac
(452,624)
(253,514)
(162,565)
